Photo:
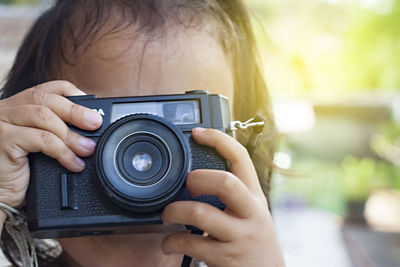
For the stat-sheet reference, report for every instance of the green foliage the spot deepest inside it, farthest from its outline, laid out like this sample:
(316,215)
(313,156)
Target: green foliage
(386,143)
(362,176)
(355,178)
(314,182)
(328,185)
(325,50)
(371,50)
(334,47)
(391,133)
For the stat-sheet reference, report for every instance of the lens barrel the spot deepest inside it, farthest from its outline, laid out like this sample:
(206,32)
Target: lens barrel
(142,162)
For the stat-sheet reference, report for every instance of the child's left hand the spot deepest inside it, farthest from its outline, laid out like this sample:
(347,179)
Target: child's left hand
(243,234)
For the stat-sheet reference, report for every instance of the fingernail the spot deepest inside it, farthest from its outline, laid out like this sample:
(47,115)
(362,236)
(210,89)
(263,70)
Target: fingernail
(87,144)
(199,130)
(92,118)
(80,162)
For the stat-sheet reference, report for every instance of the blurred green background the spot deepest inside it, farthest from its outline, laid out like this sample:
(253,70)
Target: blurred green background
(333,69)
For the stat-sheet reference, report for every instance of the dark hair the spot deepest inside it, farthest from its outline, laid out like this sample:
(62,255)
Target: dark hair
(72,25)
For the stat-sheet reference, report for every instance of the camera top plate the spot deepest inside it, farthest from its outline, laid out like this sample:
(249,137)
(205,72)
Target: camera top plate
(213,109)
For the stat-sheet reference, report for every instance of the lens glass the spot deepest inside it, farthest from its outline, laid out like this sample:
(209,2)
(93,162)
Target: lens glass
(142,161)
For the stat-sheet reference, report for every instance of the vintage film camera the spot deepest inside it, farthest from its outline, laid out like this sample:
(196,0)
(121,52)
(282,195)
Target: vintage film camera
(143,155)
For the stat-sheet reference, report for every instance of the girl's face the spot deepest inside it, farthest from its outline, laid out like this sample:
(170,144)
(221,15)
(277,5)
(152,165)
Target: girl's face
(131,64)
(126,64)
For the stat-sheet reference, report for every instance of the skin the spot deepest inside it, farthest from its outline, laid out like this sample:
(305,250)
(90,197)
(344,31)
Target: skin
(182,60)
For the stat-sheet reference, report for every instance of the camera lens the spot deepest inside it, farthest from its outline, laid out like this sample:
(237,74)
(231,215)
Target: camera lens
(137,146)
(134,159)
(142,161)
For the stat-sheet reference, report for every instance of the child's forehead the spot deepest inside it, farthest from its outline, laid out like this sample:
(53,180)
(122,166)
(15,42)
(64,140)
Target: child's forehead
(172,61)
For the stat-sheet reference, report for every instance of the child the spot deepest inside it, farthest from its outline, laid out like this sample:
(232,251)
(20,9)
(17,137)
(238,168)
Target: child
(144,47)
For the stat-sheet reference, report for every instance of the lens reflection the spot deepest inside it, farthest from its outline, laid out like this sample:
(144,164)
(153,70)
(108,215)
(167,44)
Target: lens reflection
(142,161)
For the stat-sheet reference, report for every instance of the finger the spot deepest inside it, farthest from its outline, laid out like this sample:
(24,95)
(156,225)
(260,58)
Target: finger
(30,140)
(43,118)
(201,215)
(68,111)
(195,246)
(229,189)
(231,150)
(63,88)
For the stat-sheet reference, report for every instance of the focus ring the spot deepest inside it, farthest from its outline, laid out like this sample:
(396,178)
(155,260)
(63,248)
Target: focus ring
(152,189)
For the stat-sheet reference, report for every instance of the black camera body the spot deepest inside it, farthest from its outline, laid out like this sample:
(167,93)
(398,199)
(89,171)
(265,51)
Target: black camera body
(144,152)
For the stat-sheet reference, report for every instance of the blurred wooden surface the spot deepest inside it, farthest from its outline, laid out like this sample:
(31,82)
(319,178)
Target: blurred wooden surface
(369,248)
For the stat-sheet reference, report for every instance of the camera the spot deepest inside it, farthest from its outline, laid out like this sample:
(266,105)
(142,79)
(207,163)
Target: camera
(144,152)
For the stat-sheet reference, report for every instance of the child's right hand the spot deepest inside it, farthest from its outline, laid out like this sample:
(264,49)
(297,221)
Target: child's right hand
(34,120)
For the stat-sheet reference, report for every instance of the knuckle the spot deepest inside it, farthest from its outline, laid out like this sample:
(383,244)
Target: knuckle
(226,183)
(38,97)
(43,113)
(46,137)
(231,257)
(73,111)
(198,212)
(69,137)
(65,153)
